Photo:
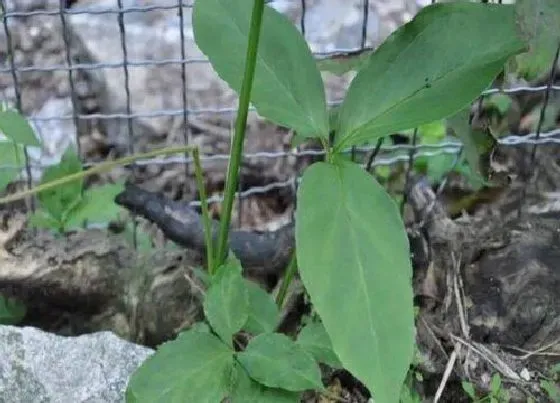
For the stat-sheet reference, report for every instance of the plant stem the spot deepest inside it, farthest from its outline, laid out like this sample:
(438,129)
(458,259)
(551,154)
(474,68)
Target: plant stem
(239,135)
(103,167)
(286,281)
(205,215)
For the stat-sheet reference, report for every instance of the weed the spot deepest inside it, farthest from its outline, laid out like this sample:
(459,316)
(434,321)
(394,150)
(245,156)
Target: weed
(352,251)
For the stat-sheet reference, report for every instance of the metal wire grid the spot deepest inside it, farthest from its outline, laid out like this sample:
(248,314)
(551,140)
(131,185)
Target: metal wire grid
(410,152)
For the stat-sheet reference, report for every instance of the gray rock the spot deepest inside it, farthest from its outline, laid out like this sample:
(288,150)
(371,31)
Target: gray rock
(55,135)
(150,36)
(37,45)
(41,367)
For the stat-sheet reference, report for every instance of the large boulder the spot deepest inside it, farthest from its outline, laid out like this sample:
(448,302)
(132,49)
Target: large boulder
(36,366)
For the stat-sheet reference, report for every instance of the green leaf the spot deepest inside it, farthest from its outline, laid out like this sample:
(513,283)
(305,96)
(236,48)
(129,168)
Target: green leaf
(11,311)
(439,166)
(469,389)
(97,206)
(263,311)
(42,219)
(428,69)
(501,102)
(287,87)
(226,304)
(495,384)
(552,390)
(195,367)
(61,200)
(13,157)
(315,340)
(200,327)
(276,361)
(342,64)
(247,390)
(17,128)
(540,24)
(353,258)
(476,142)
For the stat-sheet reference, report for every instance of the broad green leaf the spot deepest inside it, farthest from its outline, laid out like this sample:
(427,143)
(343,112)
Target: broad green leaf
(247,390)
(263,311)
(17,128)
(231,263)
(200,327)
(226,304)
(97,206)
(287,87)
(11,311)
(342,64)
(61,200)
(540,25)
(195,367)
(476,142)
(276,361)
(315,340)
(428,69)
(353,258)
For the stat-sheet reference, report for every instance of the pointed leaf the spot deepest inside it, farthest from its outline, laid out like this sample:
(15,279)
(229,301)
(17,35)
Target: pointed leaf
(428,69)
(247,390)
(97,206)
(276,361)
(192,368)
(540,25)
(227,303)
(316,341)
(60,200)
(287,87)
(353,258)
(263,311)
(17,128)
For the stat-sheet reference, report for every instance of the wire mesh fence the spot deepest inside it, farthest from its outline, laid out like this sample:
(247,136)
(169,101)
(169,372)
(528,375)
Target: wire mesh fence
(63,10)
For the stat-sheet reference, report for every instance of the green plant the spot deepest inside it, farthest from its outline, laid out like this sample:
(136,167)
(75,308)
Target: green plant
(17,135)
(69,206)
(352,251)
(496,394)
(549,384)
